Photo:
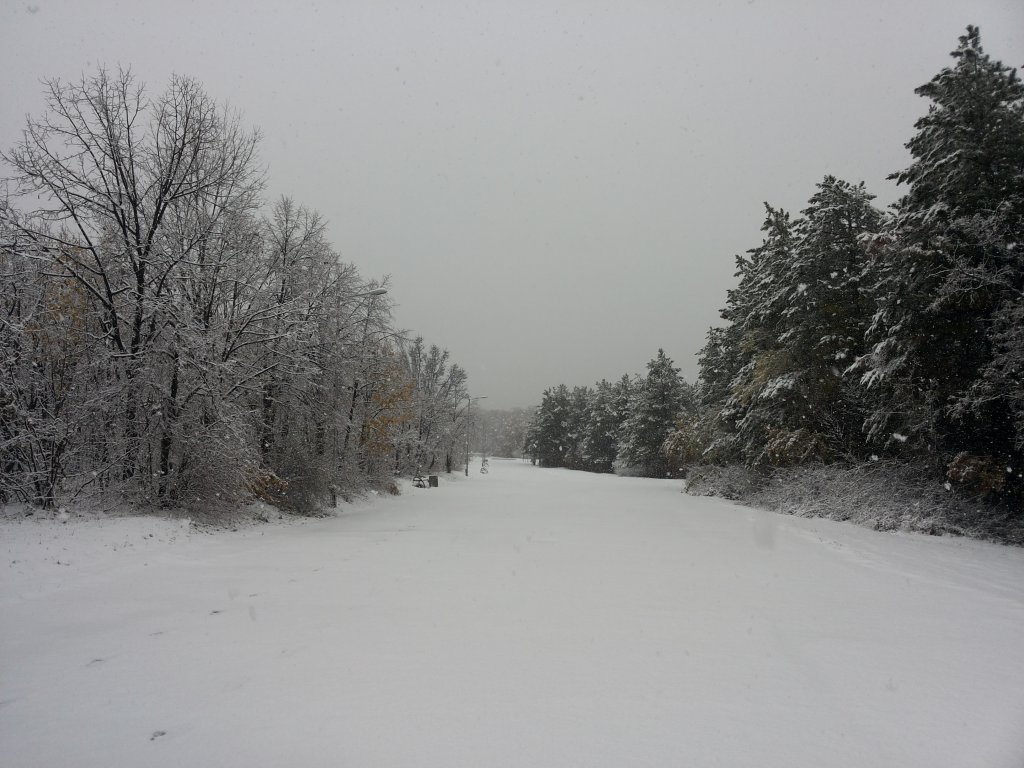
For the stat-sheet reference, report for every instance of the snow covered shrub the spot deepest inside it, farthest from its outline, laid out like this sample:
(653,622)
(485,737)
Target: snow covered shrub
(886,496)
(622,469)
(801,446)
(267,486)
(982,474)
(308,479)
(684,446)
(733,481)
(217,466)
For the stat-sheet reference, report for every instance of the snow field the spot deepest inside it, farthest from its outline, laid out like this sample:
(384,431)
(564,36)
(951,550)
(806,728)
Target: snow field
(528,617)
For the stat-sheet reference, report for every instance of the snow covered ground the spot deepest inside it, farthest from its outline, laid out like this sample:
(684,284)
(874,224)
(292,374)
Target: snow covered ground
(527,617)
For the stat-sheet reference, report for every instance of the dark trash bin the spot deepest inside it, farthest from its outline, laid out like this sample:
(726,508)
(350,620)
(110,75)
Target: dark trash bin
(432,481)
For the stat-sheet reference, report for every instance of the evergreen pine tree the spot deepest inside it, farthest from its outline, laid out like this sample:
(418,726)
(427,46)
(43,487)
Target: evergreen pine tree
(657,402)
(720,361)
(948,276)
(548,435)
(822,326)
(601,444)
(762,393)
(773,388)
(577,419)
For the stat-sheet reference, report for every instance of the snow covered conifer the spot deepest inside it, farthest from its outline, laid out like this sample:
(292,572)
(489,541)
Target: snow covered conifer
(948,276)
(720,360)
(772,383)
(655,406)
(819,330)
(762,376)
(548,437)
(607,412)
(577,419)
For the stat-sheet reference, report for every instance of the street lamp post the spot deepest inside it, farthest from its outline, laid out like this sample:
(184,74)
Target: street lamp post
(469,405)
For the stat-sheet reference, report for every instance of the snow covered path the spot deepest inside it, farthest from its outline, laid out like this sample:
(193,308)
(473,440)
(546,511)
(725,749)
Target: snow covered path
(524,618)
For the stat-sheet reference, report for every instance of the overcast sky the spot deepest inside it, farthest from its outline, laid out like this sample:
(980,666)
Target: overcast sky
(557,189)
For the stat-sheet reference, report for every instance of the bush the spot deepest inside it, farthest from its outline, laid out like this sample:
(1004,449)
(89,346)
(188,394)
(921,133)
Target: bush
(733,481)
(792,447)
(220,466)
(981,474)
(886,496)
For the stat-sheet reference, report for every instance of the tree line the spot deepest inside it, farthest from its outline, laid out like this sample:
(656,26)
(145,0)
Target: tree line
(614,426)
(856,333)
(166,338)
(500,432)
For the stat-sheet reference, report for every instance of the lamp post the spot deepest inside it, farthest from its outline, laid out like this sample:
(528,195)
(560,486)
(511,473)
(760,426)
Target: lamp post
(469,405)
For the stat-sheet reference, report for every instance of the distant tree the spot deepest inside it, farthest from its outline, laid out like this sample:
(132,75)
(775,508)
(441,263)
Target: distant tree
(720,360)
(656,404)
(601,442)
(531,439)
(548,437)
(577,420)
(503,432)
(438,407)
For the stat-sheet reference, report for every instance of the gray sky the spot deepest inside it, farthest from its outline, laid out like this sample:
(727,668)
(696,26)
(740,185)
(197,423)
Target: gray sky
(556,188)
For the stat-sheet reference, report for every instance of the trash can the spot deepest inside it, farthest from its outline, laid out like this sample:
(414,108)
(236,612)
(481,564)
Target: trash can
(432,481)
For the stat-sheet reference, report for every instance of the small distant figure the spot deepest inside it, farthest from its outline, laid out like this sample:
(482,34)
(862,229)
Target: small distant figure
(484,466)
(418,479)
